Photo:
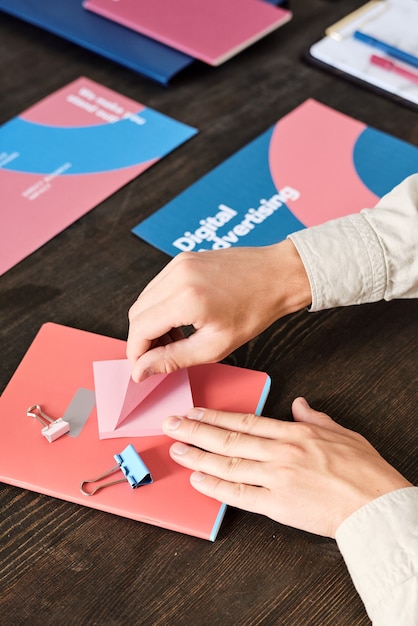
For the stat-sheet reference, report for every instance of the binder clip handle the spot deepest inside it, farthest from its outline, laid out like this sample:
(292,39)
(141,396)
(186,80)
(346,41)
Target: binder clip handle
(52,429)
(131,465)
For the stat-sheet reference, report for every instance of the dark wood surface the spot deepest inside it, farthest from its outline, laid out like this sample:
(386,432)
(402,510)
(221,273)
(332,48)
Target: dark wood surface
(65,564)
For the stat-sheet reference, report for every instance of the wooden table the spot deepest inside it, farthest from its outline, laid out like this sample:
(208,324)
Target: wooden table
(65,564)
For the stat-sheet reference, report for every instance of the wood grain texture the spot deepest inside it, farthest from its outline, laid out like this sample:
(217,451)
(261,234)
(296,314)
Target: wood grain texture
(65,564)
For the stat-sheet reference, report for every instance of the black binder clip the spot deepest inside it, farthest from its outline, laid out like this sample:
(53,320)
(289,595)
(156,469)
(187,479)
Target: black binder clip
(131,464)
(52,429)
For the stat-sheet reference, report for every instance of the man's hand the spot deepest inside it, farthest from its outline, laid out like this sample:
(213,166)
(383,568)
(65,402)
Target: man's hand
(310,474)
(227,296)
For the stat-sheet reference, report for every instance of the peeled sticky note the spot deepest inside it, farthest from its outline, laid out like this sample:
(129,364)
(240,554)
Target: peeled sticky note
(129,409)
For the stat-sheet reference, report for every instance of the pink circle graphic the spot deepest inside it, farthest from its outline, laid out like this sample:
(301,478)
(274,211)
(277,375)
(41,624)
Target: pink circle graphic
(313,153)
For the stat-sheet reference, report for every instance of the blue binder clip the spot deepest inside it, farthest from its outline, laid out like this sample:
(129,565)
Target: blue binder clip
(133,467)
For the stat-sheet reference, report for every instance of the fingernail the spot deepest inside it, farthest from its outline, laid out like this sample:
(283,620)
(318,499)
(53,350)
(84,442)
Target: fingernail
(179,448)
(195,414)
(146,374)
(304,402)
(197,477)
(172,423)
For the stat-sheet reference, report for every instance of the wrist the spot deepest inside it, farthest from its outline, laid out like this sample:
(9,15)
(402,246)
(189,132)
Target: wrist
(293,290)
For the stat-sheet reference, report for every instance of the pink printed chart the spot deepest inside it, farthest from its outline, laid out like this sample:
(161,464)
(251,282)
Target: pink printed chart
(67,153)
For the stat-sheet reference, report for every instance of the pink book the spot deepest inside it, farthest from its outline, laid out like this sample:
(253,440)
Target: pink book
(57,373)
(211,31)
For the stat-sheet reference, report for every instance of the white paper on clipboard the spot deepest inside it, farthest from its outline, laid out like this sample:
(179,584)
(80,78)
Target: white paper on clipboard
(392,21)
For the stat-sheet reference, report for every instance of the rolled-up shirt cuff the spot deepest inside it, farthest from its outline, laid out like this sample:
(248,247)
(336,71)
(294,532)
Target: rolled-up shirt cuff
(344,261)
(379,543)
(366,256)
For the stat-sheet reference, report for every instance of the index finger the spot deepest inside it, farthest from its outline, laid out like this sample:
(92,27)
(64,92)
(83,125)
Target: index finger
(246,423)
(148,325)
(234,435)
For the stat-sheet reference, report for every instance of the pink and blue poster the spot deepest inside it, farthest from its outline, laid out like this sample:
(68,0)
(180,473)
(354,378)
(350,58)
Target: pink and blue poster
(67,153)
(313,165)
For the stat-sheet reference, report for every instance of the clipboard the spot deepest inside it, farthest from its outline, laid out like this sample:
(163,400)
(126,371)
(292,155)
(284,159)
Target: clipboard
(391,21)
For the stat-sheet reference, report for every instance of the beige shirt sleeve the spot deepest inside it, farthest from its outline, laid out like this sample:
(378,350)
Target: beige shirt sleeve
(379,543)
(367,256)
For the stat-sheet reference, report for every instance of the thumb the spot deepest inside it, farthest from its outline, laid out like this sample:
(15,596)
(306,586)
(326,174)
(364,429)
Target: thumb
(176,355)
(160,360)
(302,412)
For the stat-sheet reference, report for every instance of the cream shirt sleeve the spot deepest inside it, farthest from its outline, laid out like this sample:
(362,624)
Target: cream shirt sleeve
(366,256)
(379,543)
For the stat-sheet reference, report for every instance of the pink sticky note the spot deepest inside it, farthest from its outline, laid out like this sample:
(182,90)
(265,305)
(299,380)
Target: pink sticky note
(129,409)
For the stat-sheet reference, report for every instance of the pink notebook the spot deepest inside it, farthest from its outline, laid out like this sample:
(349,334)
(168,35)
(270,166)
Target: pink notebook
(211,31)
(57,374)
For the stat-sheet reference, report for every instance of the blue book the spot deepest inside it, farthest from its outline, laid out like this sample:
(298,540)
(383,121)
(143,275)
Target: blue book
(313,165)
(69,20)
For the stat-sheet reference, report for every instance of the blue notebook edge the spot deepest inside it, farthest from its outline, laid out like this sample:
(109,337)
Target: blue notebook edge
(260,406)
(72,22)
(137,52)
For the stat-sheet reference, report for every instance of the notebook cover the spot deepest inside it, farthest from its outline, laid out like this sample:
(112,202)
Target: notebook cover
(69,20)
(56,366)
(67,153)
(314,165)
(210,31)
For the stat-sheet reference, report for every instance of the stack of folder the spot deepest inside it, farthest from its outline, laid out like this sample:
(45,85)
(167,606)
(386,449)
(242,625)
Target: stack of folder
(157,38)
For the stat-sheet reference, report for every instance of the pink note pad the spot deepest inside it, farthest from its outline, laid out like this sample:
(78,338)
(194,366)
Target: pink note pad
(128,409)
(56,366)
(211,31)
